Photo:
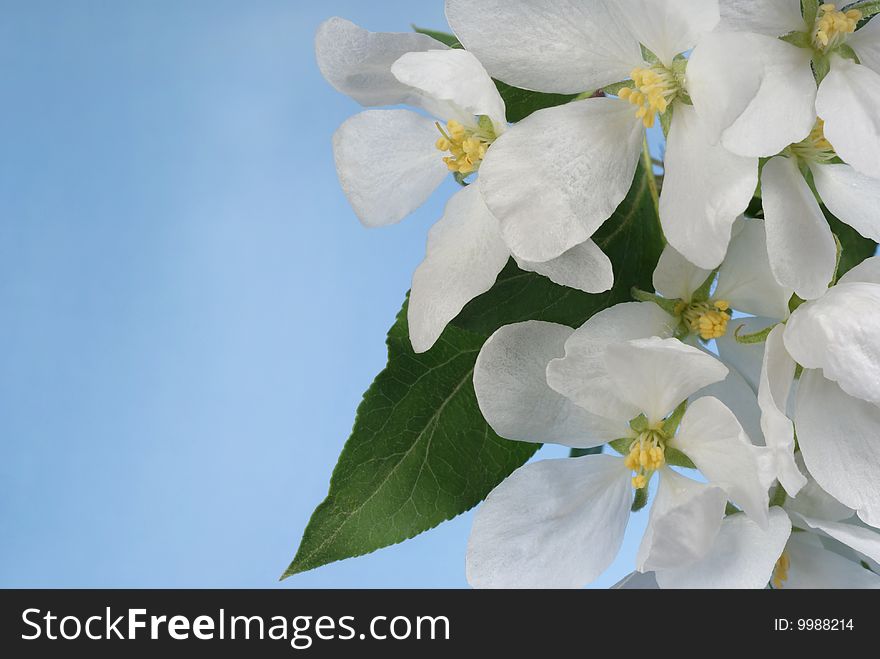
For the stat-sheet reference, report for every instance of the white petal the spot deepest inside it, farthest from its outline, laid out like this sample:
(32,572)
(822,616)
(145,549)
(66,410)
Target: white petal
(669,27)
(746,279)
(802,251)
(746,358)
(555,177)
(464,256)
(705,188)
(774,18)
(684,521)
(853,197)
(840,334)
(862,539)
(551,524)
(813,501)
(562,46)
(743,556)
(837,435)
(655,375)
(813,567)
(848,100)
(453,77)
(714,440)
(777,377)
(739,397)
(581,374)
(676,278)
(512,391)
(868,271)
(358,62)
(387,164)
(754,92)
(584,267)
(637,581)
(866,43)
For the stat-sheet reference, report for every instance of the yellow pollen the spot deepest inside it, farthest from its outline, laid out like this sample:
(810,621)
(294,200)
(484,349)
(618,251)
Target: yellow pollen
(646,455)
(833,26)
(655,88)
(780,571)
(815,148)
(708,319)
(467,147)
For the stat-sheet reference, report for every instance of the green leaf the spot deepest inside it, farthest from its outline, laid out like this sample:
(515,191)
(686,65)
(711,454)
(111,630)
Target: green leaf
(520,102)
(581,452)
(854,248)
(420,453)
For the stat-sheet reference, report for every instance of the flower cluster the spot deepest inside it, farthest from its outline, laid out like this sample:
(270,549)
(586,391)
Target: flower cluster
(748,381)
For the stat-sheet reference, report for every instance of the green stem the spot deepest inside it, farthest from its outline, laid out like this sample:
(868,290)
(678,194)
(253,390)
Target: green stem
(652,181)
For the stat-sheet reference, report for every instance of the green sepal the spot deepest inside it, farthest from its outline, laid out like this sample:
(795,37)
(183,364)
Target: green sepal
(810,10)
(868,8)
(622,445)
(702,293)
(639,424)
(666,120)
(799,39)
(614,90)
(676,458)
(846,51)
(669,306)
(670,425)
(640,500)
(821,66)
(750,339)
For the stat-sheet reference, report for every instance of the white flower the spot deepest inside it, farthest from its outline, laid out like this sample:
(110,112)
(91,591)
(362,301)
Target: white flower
(835,411)
(554,178)
(391,160)
(559,523)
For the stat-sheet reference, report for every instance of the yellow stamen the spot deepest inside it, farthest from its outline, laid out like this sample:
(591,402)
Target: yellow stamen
(467,147)
(655,88)
(815,148)
(780,571)
(833,26)
(646,455)
(708,319)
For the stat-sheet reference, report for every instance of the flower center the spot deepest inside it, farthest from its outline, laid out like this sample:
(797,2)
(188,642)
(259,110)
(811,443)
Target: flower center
(467,146)
(833,26)
(708,319)
(816,148)
(647,454)
(655,89)
(780,571)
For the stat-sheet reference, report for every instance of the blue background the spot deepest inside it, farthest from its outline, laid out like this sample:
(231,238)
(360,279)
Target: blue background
(189,310)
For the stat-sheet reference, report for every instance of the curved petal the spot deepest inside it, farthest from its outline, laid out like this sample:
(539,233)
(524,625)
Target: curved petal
(746,279)
(676,278)
(803,254)
(685,518)
(746,358)
(387,164)
(851,196)
(551,524)
(512,391)
(714,440)
(743,556)
(868,272)
(837,435)
(453,77)
(705,188)
(584,267)
(739,397)
(840,334)
(755,93)
(655,375)
(562,46)
(866,43)
(581,376)
(555,177)
(813,501)
(358,62)
(773,19)
(862,539)
(464,256)
(777,378)
(814,567)
(848,100)
(669,27)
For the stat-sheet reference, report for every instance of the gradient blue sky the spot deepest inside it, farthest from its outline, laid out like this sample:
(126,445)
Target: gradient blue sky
(190,310)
